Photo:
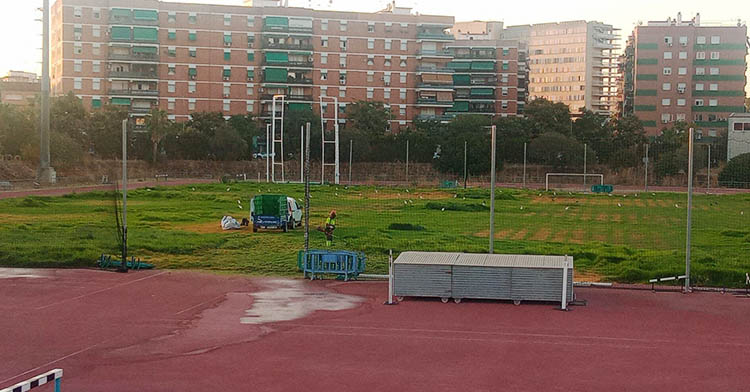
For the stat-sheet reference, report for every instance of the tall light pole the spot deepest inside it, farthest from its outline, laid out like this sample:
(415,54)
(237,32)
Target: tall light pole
(124,265)
(492,192)
(46,173)
(689,212)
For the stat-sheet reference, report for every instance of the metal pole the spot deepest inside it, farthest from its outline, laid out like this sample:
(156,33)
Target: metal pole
(524,165)
(268,150)
(281,139)
(124,264)
(708,187)
(301,154)
(307,187)
(564,302)
(407,161)
(273,139)
(390,277)
(585,148)
(492,193)
(645,160)
(689,211)
(337,161)
(46,173)
(466,176)
(323,141)
(350,161)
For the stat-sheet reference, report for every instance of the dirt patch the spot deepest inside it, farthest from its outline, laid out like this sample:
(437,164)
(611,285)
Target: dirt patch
(559,236)
(576,236)
(209,228)
(602,217)
(404,195)
(586,276)
(541,235)
(519,235)
(500,235)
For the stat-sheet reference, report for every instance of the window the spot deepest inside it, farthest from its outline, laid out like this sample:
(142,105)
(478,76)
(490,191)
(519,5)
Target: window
(402,63)
(192,52)
(713,102)
(370,27)
(96,84)
(324,42)
(171,69)
(172,35)
(504,91)
(342,44)
(402,78)
(667,55)
(96,31)
(96,103)
(227,20)
(77,12)
(342,94)
(403,44)
(714,71)
(506,52)
(343,25)
(342,77)
(699,87)
(682,71)
(77,65)
(402,110)
(666,86)
(681,88)
(668,41)
(700,55)
(192,35)
(504,104)
(370,76)
(226,74)
(226,90)
(667,70)
(700,71)
(96,67)
(191,87)
(227,55)
(699,102)
(370,60)
(192,18)
(191,103)
(172,17)
(715,55)
(666,102)
(683,41)
(388,44)
(387,78)
(249,106)
(171,87)
(323,75)
(387,93)
(715,40)
(504,78)
(250,21)
(96,13)
(342,61)
(170,104)
(680,117)
(681,102)
(700,40)
(506,65)
(227,39)
(77,32)
(370,93)
(370,43)
(666,117)
(250,56)
(250,76)
(682,55)
(225,106)
(77,48)
(402,94)
(172,51)
(96,49)
(713,87)
(324,24)
(249,90)
(77,83)
(387,62)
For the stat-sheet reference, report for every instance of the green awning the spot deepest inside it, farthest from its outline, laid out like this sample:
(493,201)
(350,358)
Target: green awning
(192,36)
(462,80)
(227,73)
(482,65)
(120,101)
(250,56)
(458,65)
(276,75)
(96,103)
(482,91)
(277,57)
(172,35)
(145,49)
(121,33)
(192,71)
(302,53)
(145,34)
(119,13)
(145,15)
(227,38)
(276,21)
(506,66)
(299,106)
(460,106)
(250,73)
(227,56)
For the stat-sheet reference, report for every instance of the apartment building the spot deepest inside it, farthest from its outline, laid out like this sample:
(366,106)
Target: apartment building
(19,88)
(686,71)
(572,62)
(185,58)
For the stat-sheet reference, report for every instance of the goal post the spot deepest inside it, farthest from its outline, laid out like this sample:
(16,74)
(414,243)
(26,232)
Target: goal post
(547,176)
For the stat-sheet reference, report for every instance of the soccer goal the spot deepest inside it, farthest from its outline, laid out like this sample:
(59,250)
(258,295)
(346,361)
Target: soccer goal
(565,183)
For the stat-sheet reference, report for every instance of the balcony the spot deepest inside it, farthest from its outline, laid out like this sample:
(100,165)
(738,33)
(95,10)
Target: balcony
(435,53)
(435,36)
(290,80)
(287,29)
(138,109)
(138,93)
(286,46)
(478,56)
(129,20)
(134,74)
(435,117)
(436,70)
(433,102)
(288,97)
(435,86)
(289,64)
(134,57)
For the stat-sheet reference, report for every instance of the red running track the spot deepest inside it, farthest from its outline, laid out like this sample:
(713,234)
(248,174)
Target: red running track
(179,330)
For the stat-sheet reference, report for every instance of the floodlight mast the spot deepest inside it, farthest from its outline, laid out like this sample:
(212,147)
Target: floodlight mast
(335,140)
(280,140)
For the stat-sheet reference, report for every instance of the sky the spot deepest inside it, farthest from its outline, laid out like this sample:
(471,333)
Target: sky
(20,35)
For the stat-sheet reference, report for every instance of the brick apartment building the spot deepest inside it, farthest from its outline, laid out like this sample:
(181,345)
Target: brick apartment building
(186,58)
(685,71)
(19,88)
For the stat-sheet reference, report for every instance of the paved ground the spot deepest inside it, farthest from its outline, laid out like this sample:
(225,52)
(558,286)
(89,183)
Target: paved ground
(180,330)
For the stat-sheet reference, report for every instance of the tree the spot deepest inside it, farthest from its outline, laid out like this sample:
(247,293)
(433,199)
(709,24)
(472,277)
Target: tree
(158,125)
(16,130)
(557,150)
(666,149)
(368,116)
(69,116)
(737,172)
(104,131)
(547,116)
(512,133)
(248,129)
(473,129)
(227,145)
(595,131)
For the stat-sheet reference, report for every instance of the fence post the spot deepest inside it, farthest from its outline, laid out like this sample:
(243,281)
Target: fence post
(350,161)
(585,150)
(390,279)
(645,161)
(407,162)
(465,172)
(307,188)
(492,192)
(689,211)
(524,165)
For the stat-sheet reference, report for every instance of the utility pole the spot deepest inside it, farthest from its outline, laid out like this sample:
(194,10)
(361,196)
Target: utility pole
(689,212)
(268,151)
(46,173)
(492,192)
(124,264)
(307,188)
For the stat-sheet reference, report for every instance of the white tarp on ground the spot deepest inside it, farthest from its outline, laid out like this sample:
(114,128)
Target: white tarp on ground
(229,223)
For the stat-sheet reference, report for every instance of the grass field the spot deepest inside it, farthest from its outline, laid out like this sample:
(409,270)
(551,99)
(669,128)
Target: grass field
(625,238)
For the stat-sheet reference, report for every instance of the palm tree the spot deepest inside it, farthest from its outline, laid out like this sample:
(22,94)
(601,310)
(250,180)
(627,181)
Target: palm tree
(158,124)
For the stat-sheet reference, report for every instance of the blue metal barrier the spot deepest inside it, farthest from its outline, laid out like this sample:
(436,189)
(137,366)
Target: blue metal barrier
(344,264)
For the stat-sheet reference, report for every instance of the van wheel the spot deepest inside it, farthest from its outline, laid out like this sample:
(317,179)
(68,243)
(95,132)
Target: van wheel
(285,227)
(255,229)
(290,225)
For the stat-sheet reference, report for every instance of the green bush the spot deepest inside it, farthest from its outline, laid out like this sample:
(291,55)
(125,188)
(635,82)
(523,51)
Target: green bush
(737,172)
(405,226)
(451,206)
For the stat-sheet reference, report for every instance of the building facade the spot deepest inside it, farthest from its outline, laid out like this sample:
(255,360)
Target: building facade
(685,71)
(185,58)
(19,88)
(572,62)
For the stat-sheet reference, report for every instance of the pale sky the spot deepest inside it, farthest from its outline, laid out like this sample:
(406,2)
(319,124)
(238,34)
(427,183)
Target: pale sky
(20,35)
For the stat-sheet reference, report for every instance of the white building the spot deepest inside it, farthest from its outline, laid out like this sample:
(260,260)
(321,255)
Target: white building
(738,135)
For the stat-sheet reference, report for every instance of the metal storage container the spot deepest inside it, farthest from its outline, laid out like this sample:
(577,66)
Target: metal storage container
(423,274)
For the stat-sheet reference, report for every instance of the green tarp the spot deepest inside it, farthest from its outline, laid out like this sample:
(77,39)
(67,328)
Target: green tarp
(96,103)
(145,15)
(172,35)
(460,106)
(482,65)
(227,73)
(276,21)
(192,36)
(119,13)
(299,106)
(482,91)
(462,80)
(227,38)
(276,75)
(227,56)
(277,57)
(192,71)
(120,101)
(250,73)
(145,34)
(120,33)
(145,49)
(457,65)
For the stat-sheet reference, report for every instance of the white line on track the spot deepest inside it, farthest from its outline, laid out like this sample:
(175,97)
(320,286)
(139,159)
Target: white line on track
(49,363)
(202,303)
(101,291)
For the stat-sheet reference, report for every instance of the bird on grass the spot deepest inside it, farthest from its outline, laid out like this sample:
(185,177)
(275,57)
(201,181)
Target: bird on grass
(405,202)
(676,206)
(228,189)
(567,208)
(619,205)
(522,207)
(420,196)
(484,204)
(442,209)
(193,188)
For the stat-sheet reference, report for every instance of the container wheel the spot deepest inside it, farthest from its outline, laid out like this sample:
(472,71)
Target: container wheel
(516,302)
(457,300)
(445,300)
(290,225)
(285,227)
(255,229)
(399,298)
